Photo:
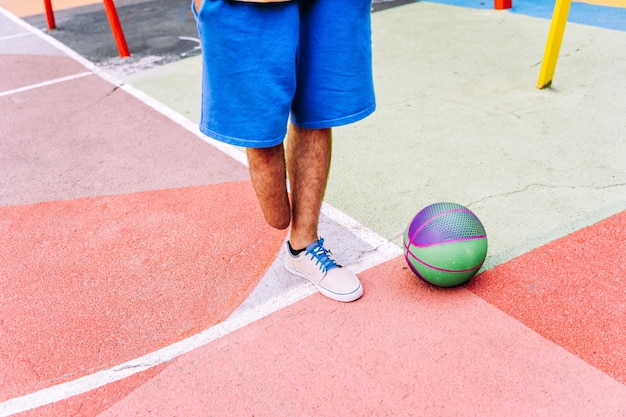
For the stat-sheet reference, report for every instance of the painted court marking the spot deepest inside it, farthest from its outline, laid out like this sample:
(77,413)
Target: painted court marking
(17,35)
(229,150)
(90,382)
(49,39)
(45,83)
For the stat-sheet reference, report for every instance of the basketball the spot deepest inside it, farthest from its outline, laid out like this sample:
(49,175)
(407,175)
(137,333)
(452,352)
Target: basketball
(445,244)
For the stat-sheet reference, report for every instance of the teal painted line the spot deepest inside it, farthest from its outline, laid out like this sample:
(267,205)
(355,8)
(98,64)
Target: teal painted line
(586,14)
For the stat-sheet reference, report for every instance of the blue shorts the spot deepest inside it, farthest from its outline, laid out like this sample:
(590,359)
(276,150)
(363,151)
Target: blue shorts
(265,62)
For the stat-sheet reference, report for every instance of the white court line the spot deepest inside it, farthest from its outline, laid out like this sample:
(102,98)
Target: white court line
(192,127)
(17,35)
(229,150)
(49,39)
(56,44)
(90,382)
(45,83)
(60,392)
(238,320)
(383,251)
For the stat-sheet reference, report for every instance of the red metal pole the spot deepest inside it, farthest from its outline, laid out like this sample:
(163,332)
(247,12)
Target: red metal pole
(502,4)
(50,14)
(116,28)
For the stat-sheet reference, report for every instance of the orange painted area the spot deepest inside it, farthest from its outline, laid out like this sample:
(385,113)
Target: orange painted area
(86,284)
(23,8)
(571,291)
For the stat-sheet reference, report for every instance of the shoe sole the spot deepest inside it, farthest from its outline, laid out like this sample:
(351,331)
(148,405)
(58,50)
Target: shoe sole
(343,297)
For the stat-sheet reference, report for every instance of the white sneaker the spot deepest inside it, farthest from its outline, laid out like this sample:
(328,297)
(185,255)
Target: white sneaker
(316,264)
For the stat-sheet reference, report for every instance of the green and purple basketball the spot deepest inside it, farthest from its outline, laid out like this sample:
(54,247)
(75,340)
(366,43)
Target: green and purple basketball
(445,244)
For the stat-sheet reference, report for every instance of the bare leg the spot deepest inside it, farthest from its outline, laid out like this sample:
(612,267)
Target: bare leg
(308,162)
(267,169)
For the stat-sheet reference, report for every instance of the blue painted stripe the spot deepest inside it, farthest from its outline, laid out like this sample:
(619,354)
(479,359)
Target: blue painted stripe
(583,13)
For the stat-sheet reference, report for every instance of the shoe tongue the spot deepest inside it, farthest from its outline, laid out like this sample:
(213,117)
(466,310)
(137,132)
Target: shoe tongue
(329,263)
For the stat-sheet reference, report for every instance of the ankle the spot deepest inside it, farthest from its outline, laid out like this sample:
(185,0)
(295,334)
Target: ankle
(300,243)
(294,252)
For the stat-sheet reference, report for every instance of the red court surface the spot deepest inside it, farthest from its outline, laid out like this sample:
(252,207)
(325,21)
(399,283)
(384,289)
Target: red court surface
(132,250)
(405,349)
(582,306)
(141,270)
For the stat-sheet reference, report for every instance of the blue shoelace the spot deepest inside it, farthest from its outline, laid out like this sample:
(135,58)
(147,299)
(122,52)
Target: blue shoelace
(321,255)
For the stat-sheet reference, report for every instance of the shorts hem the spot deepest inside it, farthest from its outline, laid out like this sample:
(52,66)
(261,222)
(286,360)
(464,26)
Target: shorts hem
(244,143)
(323,124)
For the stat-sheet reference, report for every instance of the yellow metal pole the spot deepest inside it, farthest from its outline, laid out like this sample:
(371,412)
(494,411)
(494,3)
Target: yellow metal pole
(555,37)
